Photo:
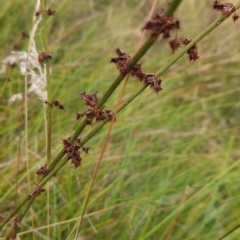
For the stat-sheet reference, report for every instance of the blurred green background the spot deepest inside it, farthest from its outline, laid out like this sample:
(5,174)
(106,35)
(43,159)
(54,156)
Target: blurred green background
(171,168)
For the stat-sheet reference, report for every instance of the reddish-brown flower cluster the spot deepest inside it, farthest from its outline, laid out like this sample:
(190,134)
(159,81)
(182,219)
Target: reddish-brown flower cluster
(49,12)
(93,112)
(37,192)
(174,44)
(2,218)
(192,52)
(121,61)
(148,78)
(161,24)
(235,17)
(43,170)
(225,8)
(44,56)
(55,103)
(72,150)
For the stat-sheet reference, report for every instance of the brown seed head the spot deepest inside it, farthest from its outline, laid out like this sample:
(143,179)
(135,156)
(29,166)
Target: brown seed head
(225,8)
(174,44)
(121,61)
(44,56)
(153,81)
(50,12)
(43,170)
(160,24)
(235,17)
(37,192)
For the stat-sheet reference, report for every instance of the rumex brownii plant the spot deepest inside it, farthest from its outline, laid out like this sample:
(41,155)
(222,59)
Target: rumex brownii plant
(159,25)
(93,112)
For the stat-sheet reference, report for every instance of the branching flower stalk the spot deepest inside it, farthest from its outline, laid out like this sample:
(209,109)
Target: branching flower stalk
(140,53)
(60,163)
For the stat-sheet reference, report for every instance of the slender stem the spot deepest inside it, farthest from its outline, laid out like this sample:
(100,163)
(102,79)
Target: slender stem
(48,108)
(173,7)
(231,231)
(48,83)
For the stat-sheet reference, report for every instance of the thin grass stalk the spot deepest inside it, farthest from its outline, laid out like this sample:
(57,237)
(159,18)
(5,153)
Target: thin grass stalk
(109,131)
(25,103)
(101,157)
(189,200)
(48,107)
(48,81)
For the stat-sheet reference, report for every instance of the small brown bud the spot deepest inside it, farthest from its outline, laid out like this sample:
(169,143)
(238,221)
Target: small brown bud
(235,17)
(44,56)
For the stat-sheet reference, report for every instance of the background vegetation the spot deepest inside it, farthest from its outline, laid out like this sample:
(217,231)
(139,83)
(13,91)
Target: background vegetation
(171,169)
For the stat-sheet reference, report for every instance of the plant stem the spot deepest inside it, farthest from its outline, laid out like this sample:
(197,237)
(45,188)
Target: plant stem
(48,109)
(48,83)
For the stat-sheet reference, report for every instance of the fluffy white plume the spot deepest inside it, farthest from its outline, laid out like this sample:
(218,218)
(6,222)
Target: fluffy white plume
(28,65)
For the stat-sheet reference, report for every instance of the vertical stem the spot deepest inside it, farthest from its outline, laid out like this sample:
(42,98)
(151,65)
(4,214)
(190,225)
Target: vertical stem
(48,107)
(48,83)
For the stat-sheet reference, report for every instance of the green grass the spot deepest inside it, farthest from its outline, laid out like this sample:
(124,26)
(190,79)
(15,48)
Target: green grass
(171,157)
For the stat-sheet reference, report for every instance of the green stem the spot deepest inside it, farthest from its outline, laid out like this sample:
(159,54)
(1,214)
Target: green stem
(48,107)
(48,83)
(173,7)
